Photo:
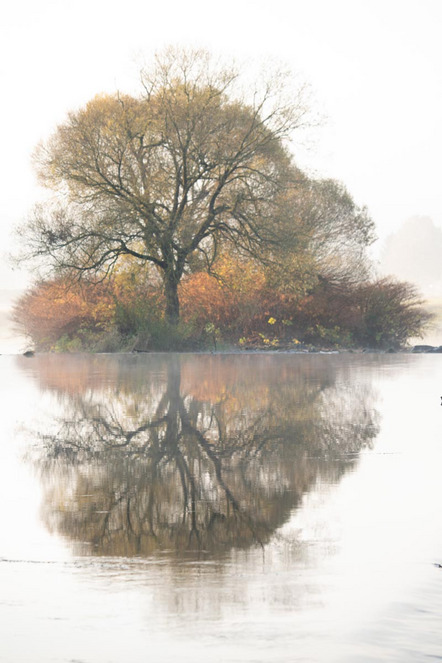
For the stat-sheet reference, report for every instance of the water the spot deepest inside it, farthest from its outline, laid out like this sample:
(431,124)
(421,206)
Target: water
(249,508)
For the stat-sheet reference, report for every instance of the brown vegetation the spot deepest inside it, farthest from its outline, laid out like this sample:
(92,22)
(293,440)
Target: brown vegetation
(235,305)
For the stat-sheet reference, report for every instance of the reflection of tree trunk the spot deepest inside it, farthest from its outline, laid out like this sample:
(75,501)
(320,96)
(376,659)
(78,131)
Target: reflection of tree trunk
(194,529)
(172,440)
(187,427)
(178,425)
(136,535)
(173,395)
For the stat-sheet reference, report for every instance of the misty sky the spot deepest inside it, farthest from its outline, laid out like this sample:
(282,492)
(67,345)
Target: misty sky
(374,68)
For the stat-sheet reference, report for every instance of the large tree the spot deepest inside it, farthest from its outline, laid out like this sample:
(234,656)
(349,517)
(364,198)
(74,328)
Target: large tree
(169,175)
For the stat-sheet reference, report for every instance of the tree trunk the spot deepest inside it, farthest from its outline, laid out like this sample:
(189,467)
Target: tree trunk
(172,300)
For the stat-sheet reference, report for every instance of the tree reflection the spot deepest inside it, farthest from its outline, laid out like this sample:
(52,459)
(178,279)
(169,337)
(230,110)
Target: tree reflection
(200,454)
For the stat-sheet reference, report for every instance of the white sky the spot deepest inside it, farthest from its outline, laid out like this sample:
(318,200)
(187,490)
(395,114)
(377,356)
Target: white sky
(375,68)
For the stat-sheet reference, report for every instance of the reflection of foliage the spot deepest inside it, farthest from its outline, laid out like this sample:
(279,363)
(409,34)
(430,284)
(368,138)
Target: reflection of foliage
(160,467)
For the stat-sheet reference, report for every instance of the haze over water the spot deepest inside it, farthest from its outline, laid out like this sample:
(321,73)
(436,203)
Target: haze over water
(279,507)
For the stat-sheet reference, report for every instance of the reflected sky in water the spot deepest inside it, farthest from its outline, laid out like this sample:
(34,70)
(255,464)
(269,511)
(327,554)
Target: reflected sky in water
(252,507)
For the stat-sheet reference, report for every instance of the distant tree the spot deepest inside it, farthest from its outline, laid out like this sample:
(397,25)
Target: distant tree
(414,253)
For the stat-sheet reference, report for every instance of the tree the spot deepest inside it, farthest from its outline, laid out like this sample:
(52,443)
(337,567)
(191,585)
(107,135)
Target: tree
(170,175)
(338,231)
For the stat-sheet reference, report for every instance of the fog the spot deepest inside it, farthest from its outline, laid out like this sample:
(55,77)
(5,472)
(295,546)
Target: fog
(11,342)
(414,253)
(373,68)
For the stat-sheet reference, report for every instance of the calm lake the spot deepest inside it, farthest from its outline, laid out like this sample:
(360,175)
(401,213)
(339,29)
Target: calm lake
(223,508)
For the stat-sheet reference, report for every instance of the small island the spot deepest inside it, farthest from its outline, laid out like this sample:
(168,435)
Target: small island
(180,220)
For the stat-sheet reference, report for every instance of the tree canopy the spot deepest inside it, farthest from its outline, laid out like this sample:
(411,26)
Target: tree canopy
(189,166)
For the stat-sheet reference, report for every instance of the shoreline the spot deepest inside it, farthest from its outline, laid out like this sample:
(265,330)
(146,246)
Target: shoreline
(417,349)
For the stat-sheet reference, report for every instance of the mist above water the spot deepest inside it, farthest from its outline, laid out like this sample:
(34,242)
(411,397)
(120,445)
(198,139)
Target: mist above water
(414,254)
(11,342)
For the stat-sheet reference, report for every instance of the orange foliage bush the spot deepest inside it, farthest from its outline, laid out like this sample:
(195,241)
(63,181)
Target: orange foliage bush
(53,309)
(236,304)
(236,299)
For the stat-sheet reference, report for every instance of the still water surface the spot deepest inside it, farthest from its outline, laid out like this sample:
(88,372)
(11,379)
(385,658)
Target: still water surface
(225,508)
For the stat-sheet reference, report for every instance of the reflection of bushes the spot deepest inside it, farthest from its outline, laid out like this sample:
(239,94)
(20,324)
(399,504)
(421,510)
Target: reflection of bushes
(158,467)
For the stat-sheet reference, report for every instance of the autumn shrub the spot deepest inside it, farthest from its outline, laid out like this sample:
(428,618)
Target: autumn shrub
(61,314)
(236,305)
(379,314)
(391,312)
(230,298)
(205,301)
(238,302)
(141,324)
(133,315)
